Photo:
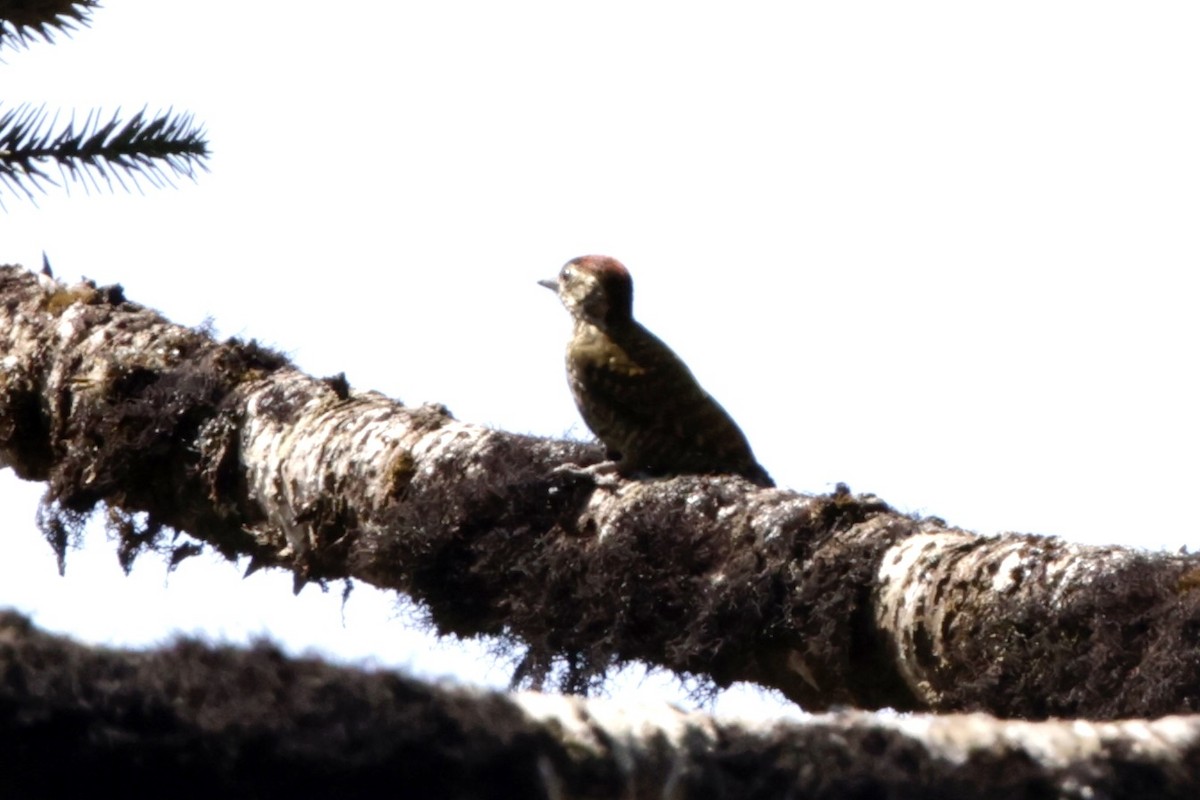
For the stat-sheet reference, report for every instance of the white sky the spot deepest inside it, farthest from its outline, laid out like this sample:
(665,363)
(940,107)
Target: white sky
(945,252)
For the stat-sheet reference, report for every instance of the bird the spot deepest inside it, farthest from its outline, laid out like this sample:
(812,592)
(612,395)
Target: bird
(634,393)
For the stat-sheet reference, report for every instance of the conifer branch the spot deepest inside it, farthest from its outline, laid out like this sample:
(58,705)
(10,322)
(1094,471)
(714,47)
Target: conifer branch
(147,147)
(22,21)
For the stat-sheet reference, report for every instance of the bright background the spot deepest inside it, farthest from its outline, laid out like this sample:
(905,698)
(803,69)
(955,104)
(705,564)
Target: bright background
(944,252)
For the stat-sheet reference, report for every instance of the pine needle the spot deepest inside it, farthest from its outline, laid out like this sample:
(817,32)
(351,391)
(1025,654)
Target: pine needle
(23,21)
(97,153)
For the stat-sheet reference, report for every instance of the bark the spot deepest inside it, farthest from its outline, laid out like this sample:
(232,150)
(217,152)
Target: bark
(833,599)
(190,720)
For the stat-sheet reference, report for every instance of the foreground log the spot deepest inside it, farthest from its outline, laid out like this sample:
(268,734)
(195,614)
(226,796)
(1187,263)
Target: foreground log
(833,599)
(192,720)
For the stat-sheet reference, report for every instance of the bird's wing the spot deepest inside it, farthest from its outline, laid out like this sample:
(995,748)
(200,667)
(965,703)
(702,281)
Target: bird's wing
(644,402)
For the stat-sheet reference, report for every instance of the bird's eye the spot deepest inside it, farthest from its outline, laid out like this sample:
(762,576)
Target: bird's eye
(565,275)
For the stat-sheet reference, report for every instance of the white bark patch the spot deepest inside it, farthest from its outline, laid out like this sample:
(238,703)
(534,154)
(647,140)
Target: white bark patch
(302,445)
(1055,743)
(932,584)
(652,745)
(628,735)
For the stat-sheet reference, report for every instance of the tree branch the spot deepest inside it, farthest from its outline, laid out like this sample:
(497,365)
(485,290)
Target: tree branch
(148,147)
(833,599)
(197,721)
(22,21)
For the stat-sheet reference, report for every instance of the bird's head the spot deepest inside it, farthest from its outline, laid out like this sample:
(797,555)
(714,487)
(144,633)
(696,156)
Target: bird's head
(595,289)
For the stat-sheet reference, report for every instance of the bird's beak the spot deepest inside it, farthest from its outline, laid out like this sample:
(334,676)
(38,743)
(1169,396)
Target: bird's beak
(550,284)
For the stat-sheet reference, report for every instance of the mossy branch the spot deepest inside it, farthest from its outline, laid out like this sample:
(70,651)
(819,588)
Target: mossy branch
(835,600)
(201,721)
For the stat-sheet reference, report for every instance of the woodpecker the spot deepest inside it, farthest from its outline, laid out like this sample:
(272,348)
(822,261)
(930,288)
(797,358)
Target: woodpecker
(634,393)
